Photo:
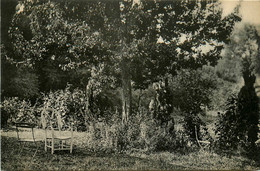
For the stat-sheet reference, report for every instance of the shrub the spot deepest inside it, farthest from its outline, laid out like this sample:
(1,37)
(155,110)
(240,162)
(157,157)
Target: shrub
(15,110)
(141,133)
(235,127)
(192,92)
(155,137)
(72,105)
(227,128)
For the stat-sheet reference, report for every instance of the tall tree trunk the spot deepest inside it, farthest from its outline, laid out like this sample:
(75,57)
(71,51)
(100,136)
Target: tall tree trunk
(126,91)
(123,36)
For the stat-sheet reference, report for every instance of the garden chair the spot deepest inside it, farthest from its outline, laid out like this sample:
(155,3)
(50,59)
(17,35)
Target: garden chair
(26,135)
(201,143)
(57,137)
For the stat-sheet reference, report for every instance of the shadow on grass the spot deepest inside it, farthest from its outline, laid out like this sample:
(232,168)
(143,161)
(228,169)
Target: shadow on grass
(79,159)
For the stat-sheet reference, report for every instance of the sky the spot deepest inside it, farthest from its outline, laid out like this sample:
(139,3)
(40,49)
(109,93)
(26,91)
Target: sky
(250,10)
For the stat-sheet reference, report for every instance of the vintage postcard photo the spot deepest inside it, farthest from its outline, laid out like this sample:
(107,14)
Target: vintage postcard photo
(130,85)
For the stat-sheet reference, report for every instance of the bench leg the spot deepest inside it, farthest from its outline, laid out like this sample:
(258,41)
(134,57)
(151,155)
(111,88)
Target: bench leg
(45,146)
(52,146)
(71,145)
(36,149)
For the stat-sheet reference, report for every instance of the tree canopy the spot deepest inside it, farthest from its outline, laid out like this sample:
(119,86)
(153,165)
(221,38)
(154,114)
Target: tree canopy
(70,30)
(122,43)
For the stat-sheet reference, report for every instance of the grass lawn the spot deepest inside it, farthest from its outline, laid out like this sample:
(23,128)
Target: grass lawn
(79,159)
(84,159)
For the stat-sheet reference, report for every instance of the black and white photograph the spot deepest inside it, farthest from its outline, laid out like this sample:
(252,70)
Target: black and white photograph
(130,85)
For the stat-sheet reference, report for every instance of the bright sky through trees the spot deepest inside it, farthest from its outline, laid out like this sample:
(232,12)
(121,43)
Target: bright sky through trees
(250,10)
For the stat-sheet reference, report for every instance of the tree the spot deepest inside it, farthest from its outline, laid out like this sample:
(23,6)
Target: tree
(192,35)
(246,46)
(40,38)
(192,91)
(122,35)
(242,114)
(183,26)
(17,81)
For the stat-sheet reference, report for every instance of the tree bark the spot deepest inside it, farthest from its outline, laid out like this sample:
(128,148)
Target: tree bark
(126,94)
(126,91)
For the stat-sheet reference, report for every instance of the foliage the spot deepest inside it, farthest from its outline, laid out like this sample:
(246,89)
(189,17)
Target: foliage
(17,81)
(15,110)
(117,45)
(228,129)
(119,35)
(248,106)
(142,133)
(70,105)
(157,138)
(26,82)
(160,105)
(244,44)
(192,94)
(240,59)
(229,66)
(46,33)
(24,85)
(82,108)
(229,76)
(224,89)
(41,38)
(237,126)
